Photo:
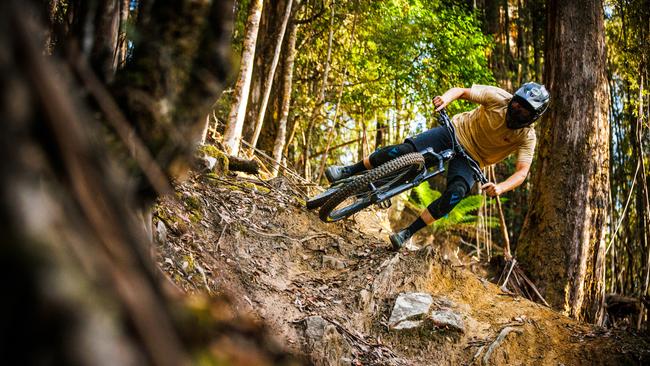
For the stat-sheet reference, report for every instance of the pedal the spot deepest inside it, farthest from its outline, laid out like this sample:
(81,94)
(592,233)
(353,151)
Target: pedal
(385,204)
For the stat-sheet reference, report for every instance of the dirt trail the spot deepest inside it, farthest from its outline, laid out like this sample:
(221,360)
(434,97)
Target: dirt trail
(327,291)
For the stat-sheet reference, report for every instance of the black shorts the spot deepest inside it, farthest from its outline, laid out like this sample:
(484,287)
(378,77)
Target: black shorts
(438,138)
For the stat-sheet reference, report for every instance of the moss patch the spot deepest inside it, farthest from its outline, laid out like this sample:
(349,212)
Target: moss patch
(221,167)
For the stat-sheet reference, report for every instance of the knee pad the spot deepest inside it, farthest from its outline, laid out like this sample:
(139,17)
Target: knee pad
(456,191)
(388,153)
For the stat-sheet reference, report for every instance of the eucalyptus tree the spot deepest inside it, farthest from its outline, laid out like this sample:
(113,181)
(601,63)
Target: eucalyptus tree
(235,125)
(402,55)
(563,240)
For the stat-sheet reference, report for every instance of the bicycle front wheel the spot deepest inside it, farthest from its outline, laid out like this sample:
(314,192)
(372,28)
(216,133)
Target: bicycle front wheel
(356,195)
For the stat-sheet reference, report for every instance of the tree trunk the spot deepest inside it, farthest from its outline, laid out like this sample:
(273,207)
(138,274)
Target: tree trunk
(103,56)
(167,98)
(315,113)
(379,136)
(281,136)
(562,242)
(269,78)
(123,42)
(235,124)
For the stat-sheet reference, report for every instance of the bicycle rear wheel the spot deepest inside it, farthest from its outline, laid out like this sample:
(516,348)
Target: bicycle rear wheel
(355,195)
(321,198)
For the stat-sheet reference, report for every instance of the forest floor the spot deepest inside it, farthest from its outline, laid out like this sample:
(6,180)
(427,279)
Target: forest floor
(326,291)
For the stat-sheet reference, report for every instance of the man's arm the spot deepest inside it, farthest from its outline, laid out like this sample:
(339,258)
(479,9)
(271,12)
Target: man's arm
(513,181)
(450,95)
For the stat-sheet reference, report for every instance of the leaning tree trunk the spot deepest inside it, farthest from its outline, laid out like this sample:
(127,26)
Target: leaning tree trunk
(235,124)
(316,111)
(562,242)
(268,82)
(287,79)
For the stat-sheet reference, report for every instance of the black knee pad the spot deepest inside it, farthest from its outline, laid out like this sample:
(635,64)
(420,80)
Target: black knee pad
(456,191)
(388,153)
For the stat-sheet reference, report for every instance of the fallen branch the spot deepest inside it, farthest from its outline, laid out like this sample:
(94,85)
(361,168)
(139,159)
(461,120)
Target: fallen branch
(500,338)
(242,165)
(511,267)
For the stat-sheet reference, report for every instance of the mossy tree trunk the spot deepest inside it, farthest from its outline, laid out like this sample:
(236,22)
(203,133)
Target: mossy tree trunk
(80,285)
(174,76)
(562,241)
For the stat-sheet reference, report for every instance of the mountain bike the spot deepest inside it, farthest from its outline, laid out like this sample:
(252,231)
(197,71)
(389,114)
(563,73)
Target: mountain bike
(377,186)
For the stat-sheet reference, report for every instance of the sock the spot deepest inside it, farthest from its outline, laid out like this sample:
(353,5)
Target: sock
(355,168)
(415,226)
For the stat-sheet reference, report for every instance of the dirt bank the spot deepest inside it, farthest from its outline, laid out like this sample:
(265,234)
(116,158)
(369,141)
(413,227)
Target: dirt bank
(327,291)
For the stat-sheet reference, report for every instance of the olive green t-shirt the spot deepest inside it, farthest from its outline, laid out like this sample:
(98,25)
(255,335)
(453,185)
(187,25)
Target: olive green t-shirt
(483,131)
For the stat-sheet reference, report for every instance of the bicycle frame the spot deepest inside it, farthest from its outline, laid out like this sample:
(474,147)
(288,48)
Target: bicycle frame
(429,156)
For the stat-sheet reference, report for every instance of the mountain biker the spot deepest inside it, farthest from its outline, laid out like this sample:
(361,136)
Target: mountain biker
(499,126)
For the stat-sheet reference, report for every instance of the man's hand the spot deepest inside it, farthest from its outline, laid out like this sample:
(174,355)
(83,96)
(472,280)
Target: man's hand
(492,189)
(513,181)
(450,95)
(440,103)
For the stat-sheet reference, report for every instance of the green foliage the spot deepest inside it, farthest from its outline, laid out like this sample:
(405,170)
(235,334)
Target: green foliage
(461,216)
(388,61)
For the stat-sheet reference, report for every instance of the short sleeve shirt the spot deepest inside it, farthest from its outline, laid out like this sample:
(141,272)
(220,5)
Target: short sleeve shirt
(483,131)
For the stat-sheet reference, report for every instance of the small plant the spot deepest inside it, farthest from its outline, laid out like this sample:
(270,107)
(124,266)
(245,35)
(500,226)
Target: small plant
(460,217)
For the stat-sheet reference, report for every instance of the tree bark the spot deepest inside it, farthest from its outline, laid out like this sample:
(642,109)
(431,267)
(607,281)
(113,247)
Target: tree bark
(315,113)
(84,289)
(269,78)
(287,79)
(235,124)
(174,77)
(562,242)
(104,53)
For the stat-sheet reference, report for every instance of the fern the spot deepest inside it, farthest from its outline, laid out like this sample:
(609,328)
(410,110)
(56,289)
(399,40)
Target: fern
(460,216)
(424,195)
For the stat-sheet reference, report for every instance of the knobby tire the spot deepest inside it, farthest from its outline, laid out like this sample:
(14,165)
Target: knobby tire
(414,160)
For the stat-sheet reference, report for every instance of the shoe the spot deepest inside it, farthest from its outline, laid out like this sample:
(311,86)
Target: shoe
(399,238)
(336,172)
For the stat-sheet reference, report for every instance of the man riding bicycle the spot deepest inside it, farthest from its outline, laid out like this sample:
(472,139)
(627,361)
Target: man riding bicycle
(489,133)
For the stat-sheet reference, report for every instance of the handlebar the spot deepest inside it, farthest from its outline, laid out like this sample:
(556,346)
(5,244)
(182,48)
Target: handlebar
(458,148)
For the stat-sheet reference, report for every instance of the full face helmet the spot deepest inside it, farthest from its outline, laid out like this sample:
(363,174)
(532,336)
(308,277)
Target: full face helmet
(528,103)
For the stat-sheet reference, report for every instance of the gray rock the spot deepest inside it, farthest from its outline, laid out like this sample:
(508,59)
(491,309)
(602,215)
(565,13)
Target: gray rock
(314,329)
(384,284)
(446,318)
(326,345)
(333,262)
(410,310)
(161,232)
(209,162)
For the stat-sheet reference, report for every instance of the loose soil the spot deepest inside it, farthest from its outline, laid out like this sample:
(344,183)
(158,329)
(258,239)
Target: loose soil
(254,241)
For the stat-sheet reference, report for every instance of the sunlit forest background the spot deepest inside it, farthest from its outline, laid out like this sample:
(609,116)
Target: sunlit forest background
(109,105)
(356,75)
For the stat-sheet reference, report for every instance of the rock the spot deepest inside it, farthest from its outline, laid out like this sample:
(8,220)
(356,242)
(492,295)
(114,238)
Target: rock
(410,246)
(161,233)
(314,329)
(410,310)
(383,285)
(333,262)
(325,344)
(209,162)
(446,318)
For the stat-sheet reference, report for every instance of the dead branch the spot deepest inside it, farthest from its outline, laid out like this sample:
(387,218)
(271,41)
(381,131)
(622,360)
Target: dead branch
(500,338)
(242,165)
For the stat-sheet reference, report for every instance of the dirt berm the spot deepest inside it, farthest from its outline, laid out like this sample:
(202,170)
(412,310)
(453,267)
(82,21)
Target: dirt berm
(326,291)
